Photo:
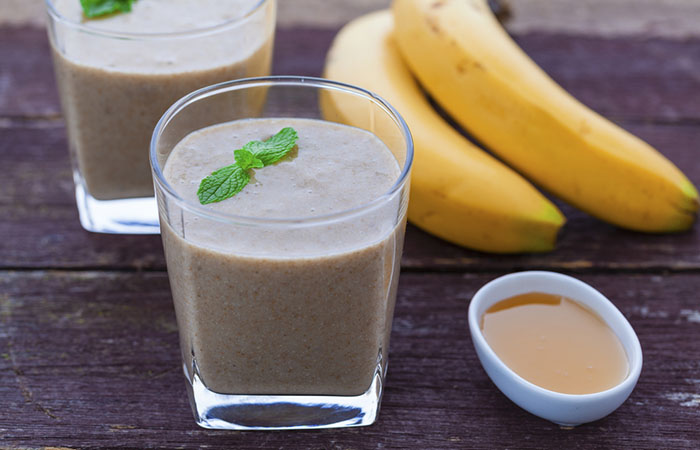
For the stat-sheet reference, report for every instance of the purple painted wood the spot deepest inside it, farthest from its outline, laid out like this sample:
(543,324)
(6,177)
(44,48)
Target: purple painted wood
(42,229)
(633,78)
(90,360)
(88,342)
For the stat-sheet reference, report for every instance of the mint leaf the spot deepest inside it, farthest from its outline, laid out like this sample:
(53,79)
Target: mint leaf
(96,8)
(228,181)
(274,148)
(247,160)
(222,184)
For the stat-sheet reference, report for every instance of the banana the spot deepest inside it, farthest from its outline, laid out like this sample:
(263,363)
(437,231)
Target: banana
(458,192)
(469,64)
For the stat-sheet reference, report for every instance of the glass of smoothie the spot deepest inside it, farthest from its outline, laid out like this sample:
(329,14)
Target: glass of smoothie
(284,292)
(116,76)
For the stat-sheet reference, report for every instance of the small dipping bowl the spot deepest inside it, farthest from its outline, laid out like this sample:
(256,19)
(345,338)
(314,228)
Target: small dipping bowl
(562,409)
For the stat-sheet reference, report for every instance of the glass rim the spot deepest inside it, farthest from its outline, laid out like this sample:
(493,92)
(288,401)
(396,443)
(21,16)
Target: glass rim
(283,80)
(58,17)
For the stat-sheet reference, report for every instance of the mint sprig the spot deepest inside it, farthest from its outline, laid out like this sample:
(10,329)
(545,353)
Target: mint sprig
(273,149)
(247,160)
(230,180)
(222,184)
(97,8)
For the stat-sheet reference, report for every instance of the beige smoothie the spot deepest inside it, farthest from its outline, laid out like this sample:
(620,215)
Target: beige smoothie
(286,309)
(114,90)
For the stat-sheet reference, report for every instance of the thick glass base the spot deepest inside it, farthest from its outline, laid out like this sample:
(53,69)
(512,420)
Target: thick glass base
(123,216)
(282,412)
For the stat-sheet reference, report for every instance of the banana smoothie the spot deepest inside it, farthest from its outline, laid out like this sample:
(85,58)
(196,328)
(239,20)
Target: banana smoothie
(114,87)
(296,309)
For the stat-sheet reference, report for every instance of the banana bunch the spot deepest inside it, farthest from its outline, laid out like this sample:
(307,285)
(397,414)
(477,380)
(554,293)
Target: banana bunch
(458,192)
(468,63)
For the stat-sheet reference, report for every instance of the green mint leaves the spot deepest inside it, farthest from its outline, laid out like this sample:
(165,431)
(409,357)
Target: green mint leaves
(230,180)
(273,149)
(247,160)
(222,184)
(97,8)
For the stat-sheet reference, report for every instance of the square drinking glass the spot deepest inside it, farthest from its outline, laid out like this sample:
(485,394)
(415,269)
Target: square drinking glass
(314,353)
(115,85)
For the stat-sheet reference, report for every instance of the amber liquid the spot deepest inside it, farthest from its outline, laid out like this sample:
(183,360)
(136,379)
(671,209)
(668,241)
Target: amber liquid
(555,343)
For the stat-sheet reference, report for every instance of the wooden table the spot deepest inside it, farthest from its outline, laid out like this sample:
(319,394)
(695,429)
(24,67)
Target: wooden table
(88,342)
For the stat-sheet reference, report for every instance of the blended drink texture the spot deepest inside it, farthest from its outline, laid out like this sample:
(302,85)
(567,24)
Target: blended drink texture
(114,91)
(285,310)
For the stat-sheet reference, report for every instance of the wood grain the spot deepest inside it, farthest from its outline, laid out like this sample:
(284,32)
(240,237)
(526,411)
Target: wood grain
(88,342)
(651,83)
(91,359)
(610,18)
(632,78)
(36,196)
(42,230)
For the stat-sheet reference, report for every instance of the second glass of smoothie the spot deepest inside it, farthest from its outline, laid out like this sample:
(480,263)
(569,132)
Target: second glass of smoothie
(117,75)
(284,293)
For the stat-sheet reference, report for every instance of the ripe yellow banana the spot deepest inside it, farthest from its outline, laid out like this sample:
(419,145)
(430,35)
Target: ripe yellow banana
(464,58)
(458,192)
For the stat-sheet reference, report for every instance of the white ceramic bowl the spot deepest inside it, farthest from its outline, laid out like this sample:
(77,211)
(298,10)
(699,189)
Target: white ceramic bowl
(563,409)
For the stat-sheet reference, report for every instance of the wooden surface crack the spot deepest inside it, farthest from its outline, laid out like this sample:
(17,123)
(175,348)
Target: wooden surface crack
(6,317)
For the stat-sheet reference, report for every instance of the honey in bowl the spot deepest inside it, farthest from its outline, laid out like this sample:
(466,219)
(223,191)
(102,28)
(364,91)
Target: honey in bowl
(556,343)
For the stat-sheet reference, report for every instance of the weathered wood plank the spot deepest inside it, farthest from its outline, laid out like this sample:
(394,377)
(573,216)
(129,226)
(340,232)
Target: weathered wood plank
(636,78)
(581,17)
(41,228)
(40,221)
(27,87)
(91,360)
(626,77)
